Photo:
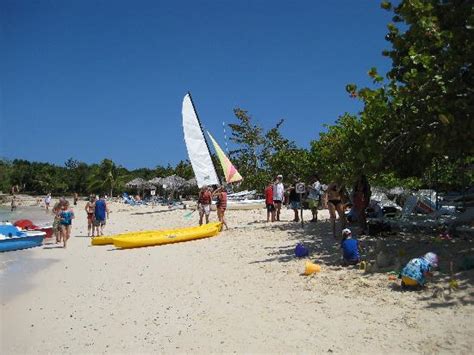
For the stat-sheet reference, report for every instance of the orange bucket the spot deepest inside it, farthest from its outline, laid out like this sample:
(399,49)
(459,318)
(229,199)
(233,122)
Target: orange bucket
(311,268)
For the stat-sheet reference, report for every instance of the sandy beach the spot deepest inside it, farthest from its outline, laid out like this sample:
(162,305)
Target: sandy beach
(242,291)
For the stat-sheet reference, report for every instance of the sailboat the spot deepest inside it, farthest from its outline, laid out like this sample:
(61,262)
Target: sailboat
(200,155)
(198,150)
(196,144)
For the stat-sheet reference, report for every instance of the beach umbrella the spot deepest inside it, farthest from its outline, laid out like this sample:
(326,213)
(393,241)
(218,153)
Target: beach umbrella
(173,182)
(191,183)
(156,181)
(148,186)
(136,183)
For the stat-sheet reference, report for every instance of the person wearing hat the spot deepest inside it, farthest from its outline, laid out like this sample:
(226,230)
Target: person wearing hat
(278,195)
(415,272)
(350,248)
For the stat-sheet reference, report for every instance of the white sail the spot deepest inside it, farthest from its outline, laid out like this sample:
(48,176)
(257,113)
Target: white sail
(198,151)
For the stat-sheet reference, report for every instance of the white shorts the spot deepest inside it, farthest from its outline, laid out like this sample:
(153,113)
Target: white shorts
(205,209)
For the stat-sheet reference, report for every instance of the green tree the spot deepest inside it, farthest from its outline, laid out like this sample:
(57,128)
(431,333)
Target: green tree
(420,118)
(106,177)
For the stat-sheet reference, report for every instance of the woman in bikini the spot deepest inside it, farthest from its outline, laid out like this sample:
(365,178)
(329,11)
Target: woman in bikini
(90,208)
(335,204)
(221,205)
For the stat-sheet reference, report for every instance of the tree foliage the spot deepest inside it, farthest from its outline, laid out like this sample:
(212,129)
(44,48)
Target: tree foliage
(416,125)
(75,176)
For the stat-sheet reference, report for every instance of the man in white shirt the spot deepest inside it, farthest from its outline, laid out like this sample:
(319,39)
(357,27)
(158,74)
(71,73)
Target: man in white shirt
(278,195)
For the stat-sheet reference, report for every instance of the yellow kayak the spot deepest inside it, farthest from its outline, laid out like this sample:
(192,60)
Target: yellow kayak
(108,239)
(166,237)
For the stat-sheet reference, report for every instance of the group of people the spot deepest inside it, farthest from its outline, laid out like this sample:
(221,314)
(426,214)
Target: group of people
(276,195)
(206,194)
(62,224)
(97,215)
(316,195)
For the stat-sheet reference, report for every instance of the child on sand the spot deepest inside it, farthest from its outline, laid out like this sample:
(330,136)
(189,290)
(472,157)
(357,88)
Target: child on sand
(269,201)
(415,272)
(350,248)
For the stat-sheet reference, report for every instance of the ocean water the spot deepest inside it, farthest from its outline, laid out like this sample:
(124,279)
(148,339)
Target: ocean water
(18,267)
(35,214)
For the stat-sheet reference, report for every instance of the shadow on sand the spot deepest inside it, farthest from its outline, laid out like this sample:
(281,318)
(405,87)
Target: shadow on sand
(399,248)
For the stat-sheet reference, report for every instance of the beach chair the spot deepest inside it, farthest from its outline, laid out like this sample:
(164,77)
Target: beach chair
(128,200)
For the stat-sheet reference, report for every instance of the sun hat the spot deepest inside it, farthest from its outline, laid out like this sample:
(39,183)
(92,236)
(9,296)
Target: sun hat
(346,232)
(431,258)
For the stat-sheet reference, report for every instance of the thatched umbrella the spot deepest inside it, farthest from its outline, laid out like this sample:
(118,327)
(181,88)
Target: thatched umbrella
(148,186)
(136,183)
(156,181)
(173,182)
(191,183)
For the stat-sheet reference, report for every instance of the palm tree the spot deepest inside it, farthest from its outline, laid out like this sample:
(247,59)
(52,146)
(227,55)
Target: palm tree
(106,176)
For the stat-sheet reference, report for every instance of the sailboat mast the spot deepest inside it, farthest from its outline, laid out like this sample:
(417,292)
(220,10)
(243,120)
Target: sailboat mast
(204,136)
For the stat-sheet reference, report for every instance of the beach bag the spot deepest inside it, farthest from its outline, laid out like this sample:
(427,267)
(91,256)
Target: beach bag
(301,251)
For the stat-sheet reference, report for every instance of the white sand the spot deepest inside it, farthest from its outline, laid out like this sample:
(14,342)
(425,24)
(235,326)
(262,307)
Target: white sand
(241,291)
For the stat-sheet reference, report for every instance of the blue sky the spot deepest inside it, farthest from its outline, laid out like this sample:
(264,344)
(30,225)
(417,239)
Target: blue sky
(105,79)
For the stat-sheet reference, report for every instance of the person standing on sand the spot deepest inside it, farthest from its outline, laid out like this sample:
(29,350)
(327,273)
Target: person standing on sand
(56,226)
(14,203)
(314,197)
(76,197)
(66,216)
(47,201)
(278,195)
(90,209)
(101,213)
(221,205)
(204,204)
(295,200)
(269,201)
(361,199)
(335,204)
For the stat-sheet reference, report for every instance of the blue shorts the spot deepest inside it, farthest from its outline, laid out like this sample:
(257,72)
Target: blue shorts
(295,205)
